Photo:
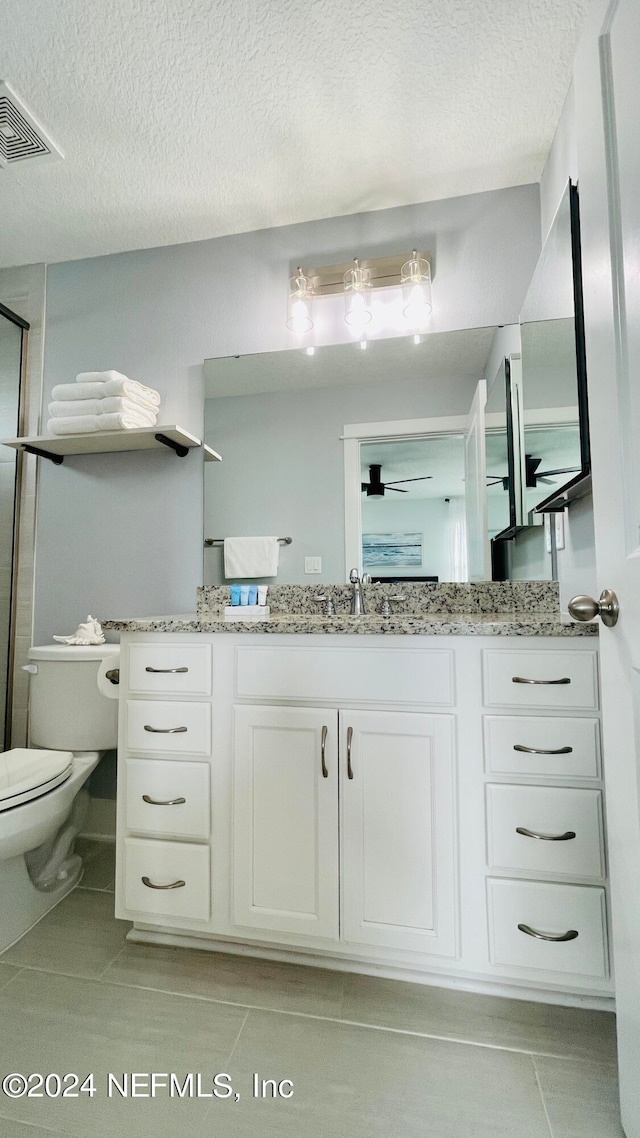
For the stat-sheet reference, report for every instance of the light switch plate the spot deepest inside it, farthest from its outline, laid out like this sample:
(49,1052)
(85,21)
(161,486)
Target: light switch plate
(547,532)
(313,565)
(559,524)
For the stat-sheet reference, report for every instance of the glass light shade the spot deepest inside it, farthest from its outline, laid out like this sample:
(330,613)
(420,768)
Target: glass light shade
(300,304)
(415,277)
(357,297)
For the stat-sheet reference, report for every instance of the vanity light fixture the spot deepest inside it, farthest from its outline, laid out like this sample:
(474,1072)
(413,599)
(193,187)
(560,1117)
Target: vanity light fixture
(415,277)
(300,303)
(357,298)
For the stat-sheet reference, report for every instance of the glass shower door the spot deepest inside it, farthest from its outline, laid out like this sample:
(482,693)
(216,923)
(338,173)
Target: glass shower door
(12,341)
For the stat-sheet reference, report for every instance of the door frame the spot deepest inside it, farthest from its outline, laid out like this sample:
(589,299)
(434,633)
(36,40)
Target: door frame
(353,435)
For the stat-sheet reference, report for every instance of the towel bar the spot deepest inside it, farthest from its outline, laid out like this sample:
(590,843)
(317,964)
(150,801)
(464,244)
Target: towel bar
(209,541)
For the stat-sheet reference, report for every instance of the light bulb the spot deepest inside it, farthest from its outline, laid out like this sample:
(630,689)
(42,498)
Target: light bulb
(310,350)
(357,297)
(300,304)
(417,339)
(363,345)
(416,289)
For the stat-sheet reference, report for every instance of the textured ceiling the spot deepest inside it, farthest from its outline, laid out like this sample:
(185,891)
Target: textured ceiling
(186,119)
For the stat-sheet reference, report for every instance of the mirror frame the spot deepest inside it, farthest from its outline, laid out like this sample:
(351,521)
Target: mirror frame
(580,484)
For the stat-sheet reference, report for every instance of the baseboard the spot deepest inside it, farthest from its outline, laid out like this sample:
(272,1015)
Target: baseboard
(477,984)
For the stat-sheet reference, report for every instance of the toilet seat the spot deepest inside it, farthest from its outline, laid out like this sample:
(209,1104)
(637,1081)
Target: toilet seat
(27,773)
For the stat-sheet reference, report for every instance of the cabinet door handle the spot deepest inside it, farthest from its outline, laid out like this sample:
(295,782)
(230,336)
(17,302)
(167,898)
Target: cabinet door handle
(571,934)
(522,680)
(167,802)
(539,750)
(165,730)
(174,884)
(166,670)
(566,837)
(323,748)
(349,743)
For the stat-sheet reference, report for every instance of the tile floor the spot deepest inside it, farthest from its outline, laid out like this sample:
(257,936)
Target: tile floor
(367,1057)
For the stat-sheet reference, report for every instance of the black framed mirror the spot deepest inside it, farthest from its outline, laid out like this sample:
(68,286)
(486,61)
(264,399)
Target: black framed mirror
(554,436)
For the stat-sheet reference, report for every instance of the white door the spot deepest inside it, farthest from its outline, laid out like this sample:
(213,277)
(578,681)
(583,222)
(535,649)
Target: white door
(285,820)
(606,81)
(399,835)
(475,490)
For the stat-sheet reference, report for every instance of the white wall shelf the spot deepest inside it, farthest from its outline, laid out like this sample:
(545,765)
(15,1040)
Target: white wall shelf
(55,447)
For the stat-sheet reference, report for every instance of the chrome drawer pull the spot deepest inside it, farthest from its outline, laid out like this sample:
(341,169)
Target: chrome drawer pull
(522,680)
(166,670)
(165,730)
(174,885)
(566,837)
(349,745)
(571,934)
(323,751)
(168,802)
(540,751)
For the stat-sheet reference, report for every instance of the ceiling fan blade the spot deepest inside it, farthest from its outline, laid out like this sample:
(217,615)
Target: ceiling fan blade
(566,470)
(387,486)
(423,478)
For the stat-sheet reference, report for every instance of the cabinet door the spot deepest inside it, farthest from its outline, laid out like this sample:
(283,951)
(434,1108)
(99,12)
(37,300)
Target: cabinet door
(399,830)
(285,820)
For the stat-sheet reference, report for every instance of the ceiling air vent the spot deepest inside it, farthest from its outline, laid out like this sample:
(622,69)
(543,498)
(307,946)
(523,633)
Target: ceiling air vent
(21,136)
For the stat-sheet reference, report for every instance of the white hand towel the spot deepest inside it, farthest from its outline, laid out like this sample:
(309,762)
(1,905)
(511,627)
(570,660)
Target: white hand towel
(251,556)
(61,409)
(115,383)
(68,391)
(86,424)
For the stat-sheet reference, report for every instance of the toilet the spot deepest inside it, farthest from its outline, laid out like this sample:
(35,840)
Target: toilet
(43,798)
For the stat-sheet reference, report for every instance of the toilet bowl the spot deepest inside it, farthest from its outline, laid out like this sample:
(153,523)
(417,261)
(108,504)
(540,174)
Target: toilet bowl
(42,795)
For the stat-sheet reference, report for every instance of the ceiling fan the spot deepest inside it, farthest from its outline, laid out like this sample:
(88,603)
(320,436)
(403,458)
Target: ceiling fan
(532,475)
(375,487)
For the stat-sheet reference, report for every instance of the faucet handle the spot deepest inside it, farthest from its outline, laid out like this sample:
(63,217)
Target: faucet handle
(386,603)
(329,607)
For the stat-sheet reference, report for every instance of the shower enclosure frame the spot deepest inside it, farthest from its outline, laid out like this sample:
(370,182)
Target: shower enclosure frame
(23,325)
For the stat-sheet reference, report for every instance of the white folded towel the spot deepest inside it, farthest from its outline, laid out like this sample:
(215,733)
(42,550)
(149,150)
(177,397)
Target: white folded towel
(115,383)
(251,556)
(69,391)
(86,424)
(62,408)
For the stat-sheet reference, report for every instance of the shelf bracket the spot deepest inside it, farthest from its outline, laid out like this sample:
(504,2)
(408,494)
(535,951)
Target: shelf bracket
(180,450)
(58,459)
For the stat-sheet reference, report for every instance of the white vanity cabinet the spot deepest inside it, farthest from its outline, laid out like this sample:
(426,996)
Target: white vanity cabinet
(417,806)
(352,803)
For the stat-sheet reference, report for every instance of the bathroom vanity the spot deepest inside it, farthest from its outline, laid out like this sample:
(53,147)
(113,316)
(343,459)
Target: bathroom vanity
(418,796)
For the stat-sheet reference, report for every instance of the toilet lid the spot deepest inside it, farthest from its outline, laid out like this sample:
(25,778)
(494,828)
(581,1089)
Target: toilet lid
(29,773)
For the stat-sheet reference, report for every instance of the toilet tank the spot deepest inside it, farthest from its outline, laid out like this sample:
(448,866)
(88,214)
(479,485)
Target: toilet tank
(67,712)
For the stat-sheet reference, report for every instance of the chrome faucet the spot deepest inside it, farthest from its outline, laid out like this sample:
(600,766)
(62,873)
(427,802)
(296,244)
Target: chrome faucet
(357,595)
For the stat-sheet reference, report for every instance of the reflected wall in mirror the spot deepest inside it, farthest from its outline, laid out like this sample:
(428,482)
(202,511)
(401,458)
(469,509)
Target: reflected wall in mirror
(555,440)
(278,421)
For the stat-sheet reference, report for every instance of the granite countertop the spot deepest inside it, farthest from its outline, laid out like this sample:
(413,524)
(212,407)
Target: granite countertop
(403,624)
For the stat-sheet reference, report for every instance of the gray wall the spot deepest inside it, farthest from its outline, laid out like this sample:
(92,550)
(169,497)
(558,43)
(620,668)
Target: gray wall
(283,468)
(122,535)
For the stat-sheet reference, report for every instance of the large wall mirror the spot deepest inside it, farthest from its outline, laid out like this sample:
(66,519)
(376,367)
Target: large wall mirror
(278,420)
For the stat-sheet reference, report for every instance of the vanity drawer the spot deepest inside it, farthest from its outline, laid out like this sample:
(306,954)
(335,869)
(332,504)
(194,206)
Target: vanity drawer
(170,669)
(545,810)
(169,728)
(542,745)
(541,678)
(180,806)
(553,910)
(346,675)
(179,872)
